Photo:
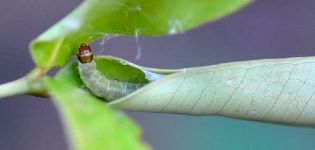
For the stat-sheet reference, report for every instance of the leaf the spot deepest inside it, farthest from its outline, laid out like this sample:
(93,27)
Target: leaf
(91,125)
(70,74)
(112,67)
(272,90)
(95,19)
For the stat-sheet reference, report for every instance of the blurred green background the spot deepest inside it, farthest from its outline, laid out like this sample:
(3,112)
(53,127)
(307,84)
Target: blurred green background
(265,29)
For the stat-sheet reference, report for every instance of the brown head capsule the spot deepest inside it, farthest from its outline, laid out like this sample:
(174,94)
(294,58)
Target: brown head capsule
(85,53)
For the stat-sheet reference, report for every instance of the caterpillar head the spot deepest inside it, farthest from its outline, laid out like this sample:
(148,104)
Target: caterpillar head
(85,53)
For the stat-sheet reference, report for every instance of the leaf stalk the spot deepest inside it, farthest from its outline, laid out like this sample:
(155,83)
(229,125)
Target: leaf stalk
(30,84)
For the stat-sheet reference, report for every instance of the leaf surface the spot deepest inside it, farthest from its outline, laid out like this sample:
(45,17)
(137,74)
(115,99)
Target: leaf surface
(90,124)
(95,19)
(272,90)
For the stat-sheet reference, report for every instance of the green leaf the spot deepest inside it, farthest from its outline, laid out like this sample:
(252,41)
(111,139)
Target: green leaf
(273,90)
(95,19)
(90,124)
(70,74)
(112,67)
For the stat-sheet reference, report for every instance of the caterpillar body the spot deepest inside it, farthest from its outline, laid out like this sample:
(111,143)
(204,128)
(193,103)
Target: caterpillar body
(101,86)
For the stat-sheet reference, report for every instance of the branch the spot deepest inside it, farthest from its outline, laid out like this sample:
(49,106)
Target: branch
(29,84)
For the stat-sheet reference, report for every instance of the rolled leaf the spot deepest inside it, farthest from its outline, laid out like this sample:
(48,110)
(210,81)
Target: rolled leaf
(271,90)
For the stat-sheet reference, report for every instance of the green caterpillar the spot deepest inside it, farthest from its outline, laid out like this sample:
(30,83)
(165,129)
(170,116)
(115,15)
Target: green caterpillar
(101,86)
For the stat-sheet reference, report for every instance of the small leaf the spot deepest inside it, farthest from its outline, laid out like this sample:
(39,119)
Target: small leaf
(90,124)
(272,90)
(95,19)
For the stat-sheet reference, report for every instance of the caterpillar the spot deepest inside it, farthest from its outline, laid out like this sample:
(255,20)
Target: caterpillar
(101,86)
